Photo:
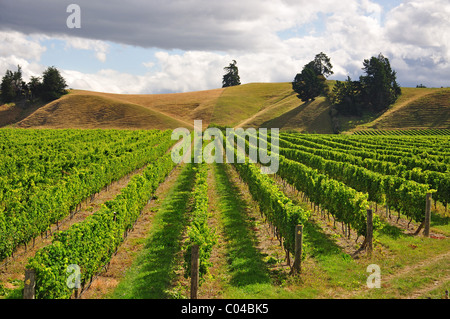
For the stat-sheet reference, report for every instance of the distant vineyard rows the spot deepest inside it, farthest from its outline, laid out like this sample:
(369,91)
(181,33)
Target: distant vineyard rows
(411,132)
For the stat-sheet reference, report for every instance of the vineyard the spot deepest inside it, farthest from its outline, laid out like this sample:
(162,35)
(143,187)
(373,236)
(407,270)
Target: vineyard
(412,132)
(243,222)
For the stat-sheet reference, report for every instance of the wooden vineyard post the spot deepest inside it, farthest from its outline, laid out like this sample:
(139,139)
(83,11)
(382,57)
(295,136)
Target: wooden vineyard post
(29,284)
(297,267)
(426,230)
(194,271)
(369,235)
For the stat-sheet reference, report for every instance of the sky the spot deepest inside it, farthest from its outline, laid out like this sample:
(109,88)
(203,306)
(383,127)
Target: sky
(168,46)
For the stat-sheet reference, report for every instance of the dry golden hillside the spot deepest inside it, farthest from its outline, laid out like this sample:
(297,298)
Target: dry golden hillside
(249,105)
(92,111)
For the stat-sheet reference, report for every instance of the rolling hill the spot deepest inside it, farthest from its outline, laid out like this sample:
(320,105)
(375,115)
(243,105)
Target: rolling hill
(92,111)
(249,105)
(415,109)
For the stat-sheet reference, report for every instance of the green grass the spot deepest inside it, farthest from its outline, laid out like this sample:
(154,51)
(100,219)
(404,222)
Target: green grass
(151,274)
(406,285)
(340,268)
(248,274)
(415,108)
(12,293)
(271,105)
(238,103)
(408,264)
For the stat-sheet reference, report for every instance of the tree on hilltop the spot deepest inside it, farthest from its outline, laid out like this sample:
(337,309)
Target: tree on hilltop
(53,84)
(374,91)
(12,85)
(14,89)
(380,87)
(231,78)
(346,97)
(311,82)
(35,87)
(321,65)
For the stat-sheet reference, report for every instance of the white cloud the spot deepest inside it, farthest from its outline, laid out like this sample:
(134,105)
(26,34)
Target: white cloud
(148,64)
(19,45)
(110,81)
(418,33)
(421,23)
(99,47)
(190,71)
(18,49)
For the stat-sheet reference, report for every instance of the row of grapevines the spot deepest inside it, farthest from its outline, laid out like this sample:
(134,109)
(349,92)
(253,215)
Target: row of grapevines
(54,153)
(404,132)
(343,202)
(436,180)
(23,218)
(430,147)
(199,232)
(435,164)
(380,146)
(19,186)
(405,196)
(91,243)
(279,210)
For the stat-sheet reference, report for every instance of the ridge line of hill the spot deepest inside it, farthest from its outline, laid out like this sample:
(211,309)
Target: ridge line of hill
(248,105)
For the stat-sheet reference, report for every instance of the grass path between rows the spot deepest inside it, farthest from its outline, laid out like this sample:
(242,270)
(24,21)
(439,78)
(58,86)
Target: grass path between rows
(152,272)
(255,266)
(245,271)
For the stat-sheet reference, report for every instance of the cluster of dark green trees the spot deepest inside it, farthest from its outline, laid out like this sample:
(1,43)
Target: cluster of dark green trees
(48,88)
(374,92)
(311,82)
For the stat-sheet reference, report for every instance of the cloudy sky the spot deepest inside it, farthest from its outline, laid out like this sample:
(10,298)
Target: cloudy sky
(163,46)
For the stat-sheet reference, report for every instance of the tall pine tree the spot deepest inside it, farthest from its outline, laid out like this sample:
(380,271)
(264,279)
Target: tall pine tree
(53,84)
(231,78)
(12,85)
(379,86)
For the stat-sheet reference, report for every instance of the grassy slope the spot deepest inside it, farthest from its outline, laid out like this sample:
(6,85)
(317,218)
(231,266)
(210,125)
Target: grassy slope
(185,107)
(14,112)
(90,111)
(416,108)
(271,105)
(238,105)
(311,117)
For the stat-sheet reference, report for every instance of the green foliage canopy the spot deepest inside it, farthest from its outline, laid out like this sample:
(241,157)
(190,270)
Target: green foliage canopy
(375,91)
(311,82)
(13,88)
